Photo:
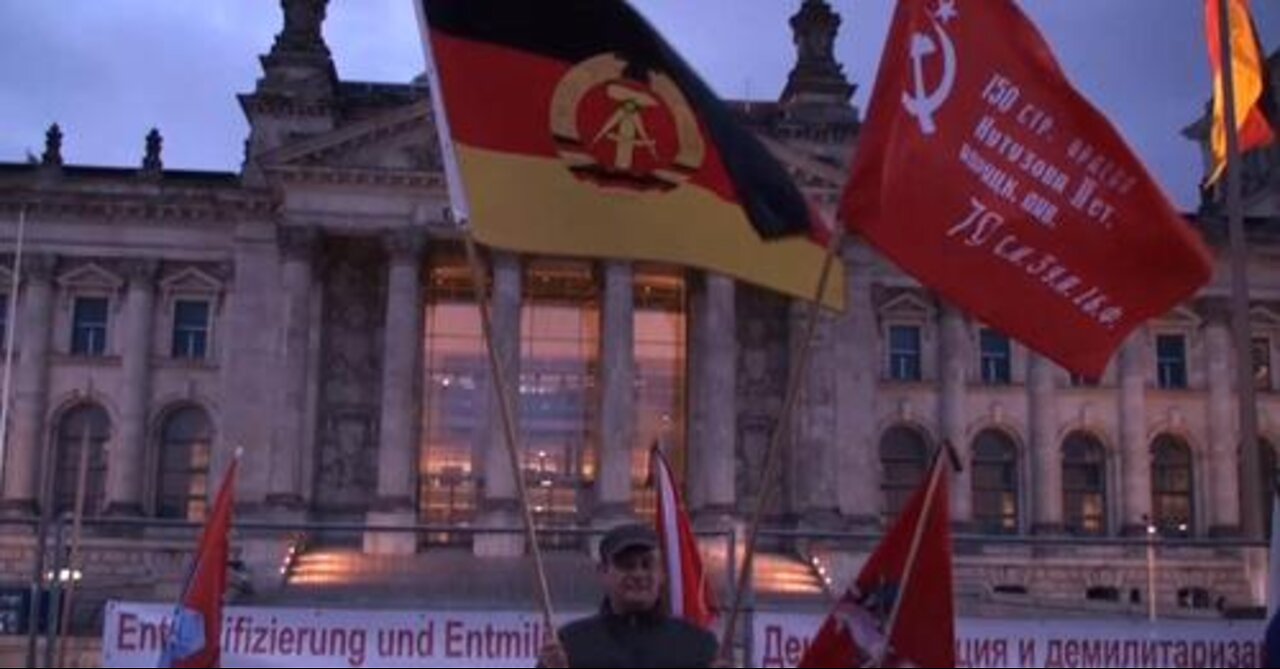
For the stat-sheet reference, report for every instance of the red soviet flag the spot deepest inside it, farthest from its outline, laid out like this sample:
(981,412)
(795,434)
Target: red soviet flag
(985,175)
(195,634)
(910,568)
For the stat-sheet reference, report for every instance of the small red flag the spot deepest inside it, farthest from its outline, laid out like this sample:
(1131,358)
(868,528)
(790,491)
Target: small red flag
(985,175)
(688,590)
(196,630)
(911,568)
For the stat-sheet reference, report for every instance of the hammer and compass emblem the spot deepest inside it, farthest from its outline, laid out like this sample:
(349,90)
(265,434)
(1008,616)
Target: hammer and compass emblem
(924,102)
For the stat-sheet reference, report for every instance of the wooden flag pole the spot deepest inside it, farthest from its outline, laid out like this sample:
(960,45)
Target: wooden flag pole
(771,459)
(501,387)
(1251,484)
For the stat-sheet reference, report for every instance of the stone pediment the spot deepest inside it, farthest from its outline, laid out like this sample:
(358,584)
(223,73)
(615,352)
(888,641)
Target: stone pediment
(91,277)
(191,280)
(399,140)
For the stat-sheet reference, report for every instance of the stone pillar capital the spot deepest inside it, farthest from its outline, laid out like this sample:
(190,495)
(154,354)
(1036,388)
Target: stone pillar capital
(405,245)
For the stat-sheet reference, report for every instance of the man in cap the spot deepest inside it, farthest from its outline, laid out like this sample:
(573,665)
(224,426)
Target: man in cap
(633,628)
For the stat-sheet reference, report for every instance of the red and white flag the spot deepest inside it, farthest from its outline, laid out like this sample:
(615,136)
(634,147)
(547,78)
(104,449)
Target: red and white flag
(909,570)
(983,173)
(196,630)
(688,590)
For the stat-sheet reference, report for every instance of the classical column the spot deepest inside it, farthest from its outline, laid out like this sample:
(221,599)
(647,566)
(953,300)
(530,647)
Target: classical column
(125,474)
(1135,451)
(31,384)
(814,452)
(857,369)
(953,361)
(298,249)
(715,368)
(1046,455)
(1224,452)
(401,368)
(617,393)
(500,504)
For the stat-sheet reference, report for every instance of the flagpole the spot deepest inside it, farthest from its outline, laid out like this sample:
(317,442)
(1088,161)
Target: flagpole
(11,327)
(73,561)
(457,214)
(917,538)
(1252,475)
(502,388)
(771,459)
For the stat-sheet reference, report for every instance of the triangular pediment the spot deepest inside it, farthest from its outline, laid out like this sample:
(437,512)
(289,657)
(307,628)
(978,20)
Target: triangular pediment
(1180,317)
(402,139)
(906,305)
(91,276)
(189,281)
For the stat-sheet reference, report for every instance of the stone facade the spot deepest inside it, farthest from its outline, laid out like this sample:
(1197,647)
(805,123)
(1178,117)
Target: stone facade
(310,265)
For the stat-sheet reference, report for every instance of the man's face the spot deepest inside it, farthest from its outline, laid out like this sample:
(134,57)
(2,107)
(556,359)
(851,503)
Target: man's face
(633,580)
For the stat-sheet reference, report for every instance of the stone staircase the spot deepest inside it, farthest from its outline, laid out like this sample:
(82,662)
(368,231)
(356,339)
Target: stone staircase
(456,578)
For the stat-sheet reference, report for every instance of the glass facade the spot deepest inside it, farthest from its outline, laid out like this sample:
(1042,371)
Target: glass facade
(560,340)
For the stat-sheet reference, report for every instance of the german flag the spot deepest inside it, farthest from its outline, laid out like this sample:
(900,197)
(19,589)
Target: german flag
(1254,104)
(578,131)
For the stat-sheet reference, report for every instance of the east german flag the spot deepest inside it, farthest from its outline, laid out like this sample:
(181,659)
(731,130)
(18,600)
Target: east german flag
(578,131)
(1253,97)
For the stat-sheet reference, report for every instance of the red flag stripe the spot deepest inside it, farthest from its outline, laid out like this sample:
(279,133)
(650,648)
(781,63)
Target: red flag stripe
(689,593)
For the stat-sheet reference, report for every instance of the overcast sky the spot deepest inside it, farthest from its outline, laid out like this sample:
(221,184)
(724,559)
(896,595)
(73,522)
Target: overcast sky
(108,70)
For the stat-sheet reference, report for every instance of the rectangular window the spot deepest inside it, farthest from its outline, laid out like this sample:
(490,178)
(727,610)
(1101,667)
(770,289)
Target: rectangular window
(1171,361)
(190,329)
(996,358)
(1262,363)
(89,326)
(904,353)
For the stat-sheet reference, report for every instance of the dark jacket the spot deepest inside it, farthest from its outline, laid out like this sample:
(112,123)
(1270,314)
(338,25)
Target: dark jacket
(645,641)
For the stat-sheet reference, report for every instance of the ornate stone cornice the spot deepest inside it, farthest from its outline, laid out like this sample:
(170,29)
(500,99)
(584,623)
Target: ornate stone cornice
(329,176)
(103,209)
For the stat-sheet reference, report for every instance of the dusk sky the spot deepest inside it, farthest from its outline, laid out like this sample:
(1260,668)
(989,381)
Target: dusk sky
(109,70)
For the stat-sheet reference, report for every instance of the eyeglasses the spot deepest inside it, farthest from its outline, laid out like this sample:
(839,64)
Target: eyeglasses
(633,561)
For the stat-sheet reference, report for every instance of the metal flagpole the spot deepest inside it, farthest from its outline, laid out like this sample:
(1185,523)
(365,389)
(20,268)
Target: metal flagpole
(9,335)
(771,457)
(1252,476)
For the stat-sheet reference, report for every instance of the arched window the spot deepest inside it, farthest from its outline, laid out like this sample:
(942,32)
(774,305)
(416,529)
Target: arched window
(1172,486)
(183,483)
(995,483)
(1084,485)
(904,455)
(84,426)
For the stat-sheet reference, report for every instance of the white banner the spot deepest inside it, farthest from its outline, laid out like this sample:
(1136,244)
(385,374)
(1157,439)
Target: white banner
(279,637)
(271,637)
(780,640)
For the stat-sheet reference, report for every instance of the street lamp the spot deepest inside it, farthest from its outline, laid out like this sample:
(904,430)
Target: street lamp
(1151,569)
